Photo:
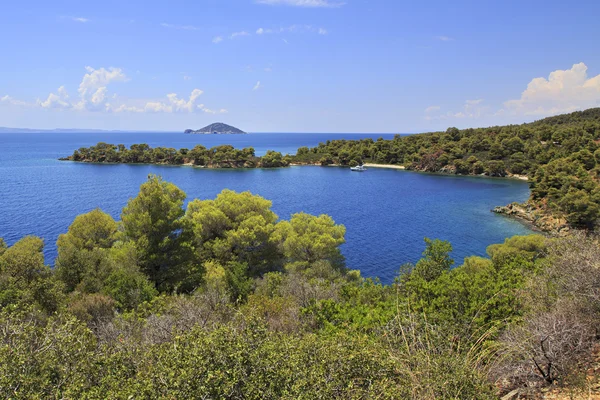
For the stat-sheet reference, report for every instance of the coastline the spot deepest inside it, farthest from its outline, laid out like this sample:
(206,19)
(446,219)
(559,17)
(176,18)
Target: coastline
(535,218)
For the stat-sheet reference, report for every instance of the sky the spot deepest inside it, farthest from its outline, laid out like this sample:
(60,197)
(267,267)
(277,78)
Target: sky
(295,65)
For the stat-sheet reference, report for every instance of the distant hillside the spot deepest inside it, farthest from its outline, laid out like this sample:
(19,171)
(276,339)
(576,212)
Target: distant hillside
(589,115)
(217,127)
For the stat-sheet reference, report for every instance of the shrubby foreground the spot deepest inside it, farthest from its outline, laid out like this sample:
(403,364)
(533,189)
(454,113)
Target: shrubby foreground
(223,300)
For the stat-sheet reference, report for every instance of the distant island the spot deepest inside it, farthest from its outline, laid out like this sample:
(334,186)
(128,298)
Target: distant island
(217,128)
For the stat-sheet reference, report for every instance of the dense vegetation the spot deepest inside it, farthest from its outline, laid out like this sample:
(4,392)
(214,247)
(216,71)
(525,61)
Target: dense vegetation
(221,299)
(224,156)
(560,155)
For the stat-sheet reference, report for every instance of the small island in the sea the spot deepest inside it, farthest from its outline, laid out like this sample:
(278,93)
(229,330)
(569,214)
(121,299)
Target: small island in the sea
(216,128)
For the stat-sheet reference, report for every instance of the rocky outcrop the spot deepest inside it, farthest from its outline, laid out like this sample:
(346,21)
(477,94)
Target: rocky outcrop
(535,217)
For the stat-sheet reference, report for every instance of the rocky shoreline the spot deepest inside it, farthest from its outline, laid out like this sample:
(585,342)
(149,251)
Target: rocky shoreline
(535,218)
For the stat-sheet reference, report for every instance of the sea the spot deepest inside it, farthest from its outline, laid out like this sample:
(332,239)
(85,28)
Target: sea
(387,212)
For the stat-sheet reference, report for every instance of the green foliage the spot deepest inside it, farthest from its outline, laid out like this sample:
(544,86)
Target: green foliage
(223,156)
(154,221)
(436,260)
(273,159)
(522,250)
(238,282)
(25,280)
(478,296)
(366,306)
(53,360)
(129,288)
(3,246)
(235,227)
(82,252)
(306,238)
(93,309)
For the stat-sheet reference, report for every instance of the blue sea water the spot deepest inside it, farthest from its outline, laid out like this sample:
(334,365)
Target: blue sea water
(387,213)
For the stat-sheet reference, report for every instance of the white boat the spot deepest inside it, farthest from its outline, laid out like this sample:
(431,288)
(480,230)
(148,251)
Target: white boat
(359,168)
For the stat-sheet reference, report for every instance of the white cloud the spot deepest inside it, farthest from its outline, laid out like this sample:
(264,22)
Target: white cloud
(209,111)
(273,31)
(238,34)
(93,87)
(172,104)
(187,78)
(99,78)
(181,27)
(257,86)
(124,108)
(564,91)
(296,28)
(98,96)
(471,109)
(183,105)
(13,101)
(157,106)
(57,101)
(444,38)
(303,3)
(93,95)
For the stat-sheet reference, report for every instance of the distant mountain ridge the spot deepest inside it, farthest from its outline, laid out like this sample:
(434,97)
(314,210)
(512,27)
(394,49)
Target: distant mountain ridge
(217,127)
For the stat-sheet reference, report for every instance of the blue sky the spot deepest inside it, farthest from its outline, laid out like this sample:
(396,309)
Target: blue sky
(295,65)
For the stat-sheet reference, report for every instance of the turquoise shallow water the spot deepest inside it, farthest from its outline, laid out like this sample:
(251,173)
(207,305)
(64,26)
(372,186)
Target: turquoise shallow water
(387,212)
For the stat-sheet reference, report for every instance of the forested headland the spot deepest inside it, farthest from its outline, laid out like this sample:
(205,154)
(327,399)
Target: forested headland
(224,156)
(559,155)
(222,299)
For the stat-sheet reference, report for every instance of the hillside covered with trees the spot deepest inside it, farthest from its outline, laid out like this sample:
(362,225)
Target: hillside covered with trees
(560,156)
(221,299)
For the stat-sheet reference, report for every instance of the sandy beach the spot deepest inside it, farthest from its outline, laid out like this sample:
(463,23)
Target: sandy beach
(384,166)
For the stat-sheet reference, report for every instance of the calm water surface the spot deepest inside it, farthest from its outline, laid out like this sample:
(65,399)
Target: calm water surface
(387,213)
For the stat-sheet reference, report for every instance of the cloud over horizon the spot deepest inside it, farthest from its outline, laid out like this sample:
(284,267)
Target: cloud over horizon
(93,97)
(564,91)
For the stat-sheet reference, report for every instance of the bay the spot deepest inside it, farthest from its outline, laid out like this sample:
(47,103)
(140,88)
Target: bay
(387,213)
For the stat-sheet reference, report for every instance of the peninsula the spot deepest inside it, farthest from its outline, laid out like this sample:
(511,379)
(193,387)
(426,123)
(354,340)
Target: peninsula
(216,128)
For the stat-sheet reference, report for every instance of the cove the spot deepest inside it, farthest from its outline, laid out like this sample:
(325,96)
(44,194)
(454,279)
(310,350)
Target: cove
(387,213)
